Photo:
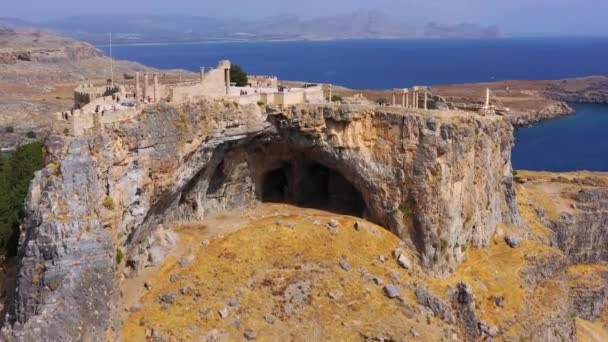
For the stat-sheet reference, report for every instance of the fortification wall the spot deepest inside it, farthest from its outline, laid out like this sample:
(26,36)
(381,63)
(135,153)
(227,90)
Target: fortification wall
(213,86)
(287,98)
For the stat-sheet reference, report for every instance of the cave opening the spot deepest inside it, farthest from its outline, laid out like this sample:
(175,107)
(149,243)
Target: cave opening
(313,185)
(276,186)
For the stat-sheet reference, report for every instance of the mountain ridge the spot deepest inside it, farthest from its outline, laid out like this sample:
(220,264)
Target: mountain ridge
(361,24)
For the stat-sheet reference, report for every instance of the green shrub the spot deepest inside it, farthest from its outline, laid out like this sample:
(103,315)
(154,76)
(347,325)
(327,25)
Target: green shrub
(336,98)
(66,131)
(31,134)
(108,203)
(119,256)
(16,173)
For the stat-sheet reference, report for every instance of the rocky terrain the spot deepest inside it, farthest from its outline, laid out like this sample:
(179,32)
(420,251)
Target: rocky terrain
(440,181)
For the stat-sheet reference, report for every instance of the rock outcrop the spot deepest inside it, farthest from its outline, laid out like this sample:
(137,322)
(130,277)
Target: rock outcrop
(441,181)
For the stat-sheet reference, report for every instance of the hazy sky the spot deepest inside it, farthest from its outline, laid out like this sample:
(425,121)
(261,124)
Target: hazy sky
(514,16)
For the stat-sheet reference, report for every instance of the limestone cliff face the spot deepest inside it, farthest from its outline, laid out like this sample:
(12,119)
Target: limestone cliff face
(441,181)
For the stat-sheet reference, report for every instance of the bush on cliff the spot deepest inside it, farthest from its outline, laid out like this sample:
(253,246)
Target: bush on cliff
(238,75)
(16,173)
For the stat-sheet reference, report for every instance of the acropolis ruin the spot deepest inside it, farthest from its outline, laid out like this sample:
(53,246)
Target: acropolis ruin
(96,105)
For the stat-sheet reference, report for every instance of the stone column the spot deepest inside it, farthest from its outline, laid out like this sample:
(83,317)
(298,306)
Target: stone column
(426,93)
(394,100)
(156,87)
(202,74)
(403,99)
(329,98)
(227,82)
(137,92)
(146,90)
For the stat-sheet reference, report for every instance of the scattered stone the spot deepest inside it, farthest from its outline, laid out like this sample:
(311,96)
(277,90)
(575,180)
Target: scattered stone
(136,308)
(332,226)
(156,255)
(148,285)
(437,307)
(269,318)
(224,313)
(143,322)
(414,333)
(335,295)
(512,241)
(202,311)
(345,265)
(205,243)
(278,223)
(215,335)
(167,298)
(316,222)
(164,306)
(233,302)
(358,225)
(499,301)
(250,335)
(490,331)
(185,290)
(174,278)
(391,291)
(185,261)
(291,225)
(404,261)
(382,259)
(397,253)
(378,281)
(236,323)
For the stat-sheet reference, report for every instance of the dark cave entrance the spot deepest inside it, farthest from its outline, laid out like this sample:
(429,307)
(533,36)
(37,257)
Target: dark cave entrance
(276,186)
(313,185)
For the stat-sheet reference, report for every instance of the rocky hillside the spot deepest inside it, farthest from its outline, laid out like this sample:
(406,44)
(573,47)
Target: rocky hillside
(38,72)
(440,181)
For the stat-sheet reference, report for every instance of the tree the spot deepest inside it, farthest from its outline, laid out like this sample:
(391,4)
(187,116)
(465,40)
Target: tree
(16,173)
(238,76)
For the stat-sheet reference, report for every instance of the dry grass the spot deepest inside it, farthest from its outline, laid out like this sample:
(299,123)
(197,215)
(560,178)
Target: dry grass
(260,261)
(495,271)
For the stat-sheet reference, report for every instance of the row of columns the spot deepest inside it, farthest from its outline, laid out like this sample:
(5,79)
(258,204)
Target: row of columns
(405,98)
(146,90)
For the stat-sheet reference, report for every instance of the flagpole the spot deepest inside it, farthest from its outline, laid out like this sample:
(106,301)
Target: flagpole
(111,62)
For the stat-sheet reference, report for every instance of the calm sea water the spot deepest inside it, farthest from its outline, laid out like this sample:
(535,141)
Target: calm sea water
(573,143)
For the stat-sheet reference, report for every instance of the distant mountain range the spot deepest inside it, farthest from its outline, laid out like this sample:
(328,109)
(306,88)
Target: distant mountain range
(361,24)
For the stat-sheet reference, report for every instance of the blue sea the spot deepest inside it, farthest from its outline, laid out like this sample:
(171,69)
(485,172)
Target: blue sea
(573,143)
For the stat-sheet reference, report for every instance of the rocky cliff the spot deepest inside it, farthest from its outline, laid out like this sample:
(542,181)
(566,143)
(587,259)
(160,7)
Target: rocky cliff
(440,180)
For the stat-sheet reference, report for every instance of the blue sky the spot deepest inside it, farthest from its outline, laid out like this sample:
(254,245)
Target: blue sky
(554,17)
